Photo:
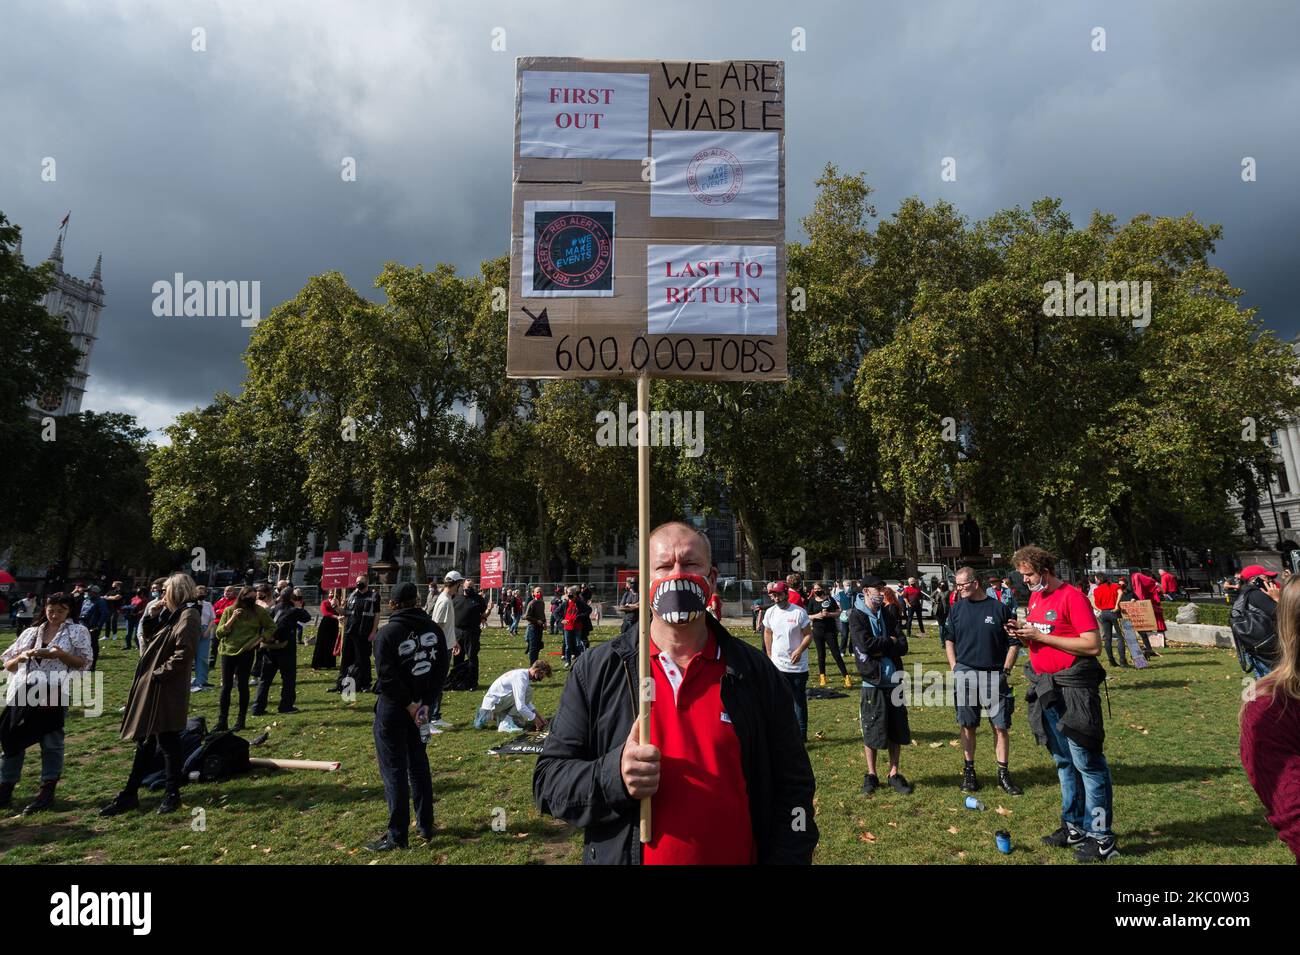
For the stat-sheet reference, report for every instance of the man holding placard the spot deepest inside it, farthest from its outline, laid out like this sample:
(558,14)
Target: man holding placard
(731,781)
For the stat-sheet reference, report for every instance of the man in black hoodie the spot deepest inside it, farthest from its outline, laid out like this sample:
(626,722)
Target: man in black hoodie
(878,649)
(406,651)
(730,779)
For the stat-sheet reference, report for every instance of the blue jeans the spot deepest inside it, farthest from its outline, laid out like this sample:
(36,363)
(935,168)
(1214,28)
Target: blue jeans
(799,688)
(11,767)
(1086,787)
(534,641)
(1258,666)
(572,644)
(201,660)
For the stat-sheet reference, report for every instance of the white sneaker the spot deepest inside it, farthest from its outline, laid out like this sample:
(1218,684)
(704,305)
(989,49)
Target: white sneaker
(443,724)
(433,730)
(508,725)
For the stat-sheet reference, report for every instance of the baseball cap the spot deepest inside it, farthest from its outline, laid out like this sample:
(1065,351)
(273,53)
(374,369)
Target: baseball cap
(1255,570)
(453,577)
(404,592)
(778,587)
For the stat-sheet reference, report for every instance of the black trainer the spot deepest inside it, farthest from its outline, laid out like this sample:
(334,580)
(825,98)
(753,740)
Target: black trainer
(900,784)
(969,783)
(1096,850)
(170,803)
(870,783)
(384,844)
(1008,786)
(122,802)
(1064,837)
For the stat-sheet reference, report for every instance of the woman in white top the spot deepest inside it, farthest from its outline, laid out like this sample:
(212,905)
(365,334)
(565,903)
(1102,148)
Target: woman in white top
(38,664)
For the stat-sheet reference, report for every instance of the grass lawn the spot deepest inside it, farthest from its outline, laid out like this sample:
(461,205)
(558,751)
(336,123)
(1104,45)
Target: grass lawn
(1181,796)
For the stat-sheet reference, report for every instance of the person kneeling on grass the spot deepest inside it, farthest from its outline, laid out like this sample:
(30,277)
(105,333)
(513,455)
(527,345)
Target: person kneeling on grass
(1064,641)
(407,680)
(508,703)
(878,649)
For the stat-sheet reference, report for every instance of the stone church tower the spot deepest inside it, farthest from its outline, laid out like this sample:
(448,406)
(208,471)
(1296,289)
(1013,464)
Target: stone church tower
(77,303)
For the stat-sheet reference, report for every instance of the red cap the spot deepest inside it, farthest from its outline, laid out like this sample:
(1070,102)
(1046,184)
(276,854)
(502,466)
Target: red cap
(1255,570)
(777,588)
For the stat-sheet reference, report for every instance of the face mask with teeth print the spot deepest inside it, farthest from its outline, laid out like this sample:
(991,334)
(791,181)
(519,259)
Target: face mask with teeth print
(679,599)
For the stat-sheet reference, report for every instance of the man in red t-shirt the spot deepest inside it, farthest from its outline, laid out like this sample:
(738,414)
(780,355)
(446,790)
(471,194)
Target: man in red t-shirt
(795,595)
(912,606)
(1105,598)
(725,764)
(1065,703)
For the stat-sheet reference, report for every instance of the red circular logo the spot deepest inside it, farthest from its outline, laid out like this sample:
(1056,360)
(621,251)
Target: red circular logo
(574,251)
(714,176)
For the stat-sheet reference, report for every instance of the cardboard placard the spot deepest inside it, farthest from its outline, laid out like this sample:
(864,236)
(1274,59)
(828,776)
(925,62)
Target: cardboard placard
(1141,613)
(648,220)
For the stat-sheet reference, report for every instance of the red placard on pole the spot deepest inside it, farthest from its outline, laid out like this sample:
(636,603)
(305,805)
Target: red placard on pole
(491,569)
(335,571)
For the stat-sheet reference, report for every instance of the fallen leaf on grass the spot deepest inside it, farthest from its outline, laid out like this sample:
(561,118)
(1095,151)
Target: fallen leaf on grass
(867,836)
(1003,811)
(954,830)
(961,855)
(953,742)
(892,825)
(935,745)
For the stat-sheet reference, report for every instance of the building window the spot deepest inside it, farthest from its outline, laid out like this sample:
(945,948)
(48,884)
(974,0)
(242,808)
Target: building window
(1283,485)
(1286,519)
(946,535)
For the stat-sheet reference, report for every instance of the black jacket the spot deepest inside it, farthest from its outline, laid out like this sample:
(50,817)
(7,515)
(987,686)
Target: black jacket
(406,649)
(869,650)
(578,776)
(1074,691)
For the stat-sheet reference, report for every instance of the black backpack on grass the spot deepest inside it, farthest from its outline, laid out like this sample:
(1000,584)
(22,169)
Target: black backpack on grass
(1253,631)
(221,756)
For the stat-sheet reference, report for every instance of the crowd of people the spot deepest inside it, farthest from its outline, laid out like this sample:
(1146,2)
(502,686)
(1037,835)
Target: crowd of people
(727,765)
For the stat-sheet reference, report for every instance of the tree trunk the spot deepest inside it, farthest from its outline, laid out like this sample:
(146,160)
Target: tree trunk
(753,549)
(543,539)
(416,534)
(910,553)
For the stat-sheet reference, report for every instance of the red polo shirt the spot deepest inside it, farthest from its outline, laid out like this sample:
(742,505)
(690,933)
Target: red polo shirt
(701,811)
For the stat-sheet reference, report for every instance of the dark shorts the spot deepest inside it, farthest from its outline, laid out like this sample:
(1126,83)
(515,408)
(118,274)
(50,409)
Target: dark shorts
(883,722)
(983,690)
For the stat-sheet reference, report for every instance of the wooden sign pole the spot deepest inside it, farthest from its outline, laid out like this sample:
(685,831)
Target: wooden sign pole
(643,574)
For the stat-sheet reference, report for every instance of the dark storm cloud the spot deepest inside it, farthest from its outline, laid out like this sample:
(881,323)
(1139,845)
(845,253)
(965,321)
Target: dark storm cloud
(225,164)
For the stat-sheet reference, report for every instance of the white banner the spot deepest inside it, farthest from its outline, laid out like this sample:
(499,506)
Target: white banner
(720,289)
(712,175)
(584,115)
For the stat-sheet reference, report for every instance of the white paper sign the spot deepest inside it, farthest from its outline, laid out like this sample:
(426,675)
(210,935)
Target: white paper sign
(568,249)
(584,115)
(720,289)
(713,175)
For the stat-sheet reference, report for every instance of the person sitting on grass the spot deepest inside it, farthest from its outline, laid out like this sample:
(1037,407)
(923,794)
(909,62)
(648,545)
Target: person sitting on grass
(509,700)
